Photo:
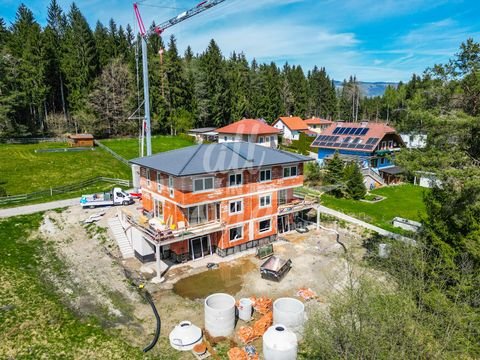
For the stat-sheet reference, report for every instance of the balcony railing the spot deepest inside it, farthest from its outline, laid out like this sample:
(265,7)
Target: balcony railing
(164,234)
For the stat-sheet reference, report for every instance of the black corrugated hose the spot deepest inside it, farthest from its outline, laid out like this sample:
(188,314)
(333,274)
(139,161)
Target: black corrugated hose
(148,297)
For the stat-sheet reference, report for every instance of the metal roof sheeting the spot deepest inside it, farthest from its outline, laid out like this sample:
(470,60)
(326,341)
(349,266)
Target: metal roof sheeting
(211,158)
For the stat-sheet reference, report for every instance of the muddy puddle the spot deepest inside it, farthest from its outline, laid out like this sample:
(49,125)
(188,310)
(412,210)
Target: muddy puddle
(228,278)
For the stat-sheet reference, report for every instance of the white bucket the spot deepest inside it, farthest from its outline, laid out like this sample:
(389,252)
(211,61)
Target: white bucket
(220,314)
(245,309)
(279,343)
(289,312)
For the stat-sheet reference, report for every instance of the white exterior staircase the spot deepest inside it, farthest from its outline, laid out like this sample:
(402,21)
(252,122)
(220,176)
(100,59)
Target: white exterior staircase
(119,234)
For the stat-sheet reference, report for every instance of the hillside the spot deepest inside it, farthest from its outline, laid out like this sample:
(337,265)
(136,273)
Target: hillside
(369,89)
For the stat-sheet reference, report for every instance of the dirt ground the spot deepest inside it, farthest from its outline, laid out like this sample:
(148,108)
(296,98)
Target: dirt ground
(97,283)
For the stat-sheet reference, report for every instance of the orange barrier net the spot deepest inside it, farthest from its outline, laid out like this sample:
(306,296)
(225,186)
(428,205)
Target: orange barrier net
(236,353)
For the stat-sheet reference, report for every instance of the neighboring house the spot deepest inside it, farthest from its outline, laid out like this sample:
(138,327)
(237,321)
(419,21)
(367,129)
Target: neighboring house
(414,141)
(290,126)
(215,198)
(317,125)
(249,130)
(372,145)
(426,179)
(203,134)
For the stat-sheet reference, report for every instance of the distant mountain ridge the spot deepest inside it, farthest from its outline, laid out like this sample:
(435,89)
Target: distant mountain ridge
(370,89)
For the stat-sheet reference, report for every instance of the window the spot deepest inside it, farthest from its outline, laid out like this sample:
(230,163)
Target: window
(390,143)
(197,215)
(265,200)
(202,184)
(235,179)
(236,206)
(236,233)
(290,171)
(159,182)
(261,140)
(266,175)
(384,144)
(272,138)
(170,186)
(225,138)
(382,161)
(264,225)
(147,174)
(282,197)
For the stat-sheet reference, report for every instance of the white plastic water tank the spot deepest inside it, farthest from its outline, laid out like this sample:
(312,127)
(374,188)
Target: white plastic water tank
(220,314)
(289,312)
(245,309)
(279,343)
(185,336)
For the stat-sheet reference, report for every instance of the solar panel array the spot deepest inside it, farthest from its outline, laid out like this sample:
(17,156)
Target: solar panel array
(345,143)
(340,130)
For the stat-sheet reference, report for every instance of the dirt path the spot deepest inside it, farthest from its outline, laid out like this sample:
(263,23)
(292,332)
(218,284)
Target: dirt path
(30,209)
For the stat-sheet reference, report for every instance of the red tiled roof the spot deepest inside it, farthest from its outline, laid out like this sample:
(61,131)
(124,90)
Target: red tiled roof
(293,122)
(317,121)
(375,131)
(247,127)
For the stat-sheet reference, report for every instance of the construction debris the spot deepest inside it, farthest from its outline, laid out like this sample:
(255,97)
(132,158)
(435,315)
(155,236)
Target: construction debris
(262,304)
(306,293)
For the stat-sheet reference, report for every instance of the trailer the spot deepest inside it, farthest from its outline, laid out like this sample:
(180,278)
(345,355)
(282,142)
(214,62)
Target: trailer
(114,197)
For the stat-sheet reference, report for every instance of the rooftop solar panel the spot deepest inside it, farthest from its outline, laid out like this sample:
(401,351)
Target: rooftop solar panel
(358,131)
(329,144)
(364,131)
(356,140)
(347,139)
(337,144)
(337,130)
(351,146)
(368,147)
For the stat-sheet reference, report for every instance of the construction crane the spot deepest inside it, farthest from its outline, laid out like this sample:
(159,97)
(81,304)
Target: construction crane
(159,29)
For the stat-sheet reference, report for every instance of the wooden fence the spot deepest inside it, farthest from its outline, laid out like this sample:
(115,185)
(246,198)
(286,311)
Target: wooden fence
(63,189)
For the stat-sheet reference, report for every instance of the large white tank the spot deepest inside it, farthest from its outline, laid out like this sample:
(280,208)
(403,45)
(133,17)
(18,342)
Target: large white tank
(185,336)
(245,309)
(220,314)
(289,312)
(279,343)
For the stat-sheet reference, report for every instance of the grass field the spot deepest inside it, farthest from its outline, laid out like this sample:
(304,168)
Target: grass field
(129,148)
(34,322)
(404,201)
(24,171)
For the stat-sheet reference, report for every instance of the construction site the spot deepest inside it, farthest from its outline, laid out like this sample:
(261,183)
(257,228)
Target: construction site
(105,284)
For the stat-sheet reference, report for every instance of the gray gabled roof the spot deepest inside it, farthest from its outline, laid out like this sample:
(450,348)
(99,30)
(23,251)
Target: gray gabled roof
(210,158)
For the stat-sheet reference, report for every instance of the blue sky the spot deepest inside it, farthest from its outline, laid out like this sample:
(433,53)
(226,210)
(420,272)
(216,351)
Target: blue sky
(373,39)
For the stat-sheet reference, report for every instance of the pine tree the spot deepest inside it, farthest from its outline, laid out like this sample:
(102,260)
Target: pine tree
(27,45)
(54,35)
(239,81)
(335,174)
(354,185)
(80,60)
(213,87)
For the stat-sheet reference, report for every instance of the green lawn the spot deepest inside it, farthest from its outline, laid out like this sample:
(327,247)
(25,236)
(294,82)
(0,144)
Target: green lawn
(404,201)
(34,322)
(25,171)
(129,148)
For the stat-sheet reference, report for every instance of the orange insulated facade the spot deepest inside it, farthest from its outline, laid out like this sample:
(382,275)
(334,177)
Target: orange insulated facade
(240,207)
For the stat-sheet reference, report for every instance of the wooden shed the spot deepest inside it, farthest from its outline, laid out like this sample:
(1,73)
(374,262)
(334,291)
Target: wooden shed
(81,140)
